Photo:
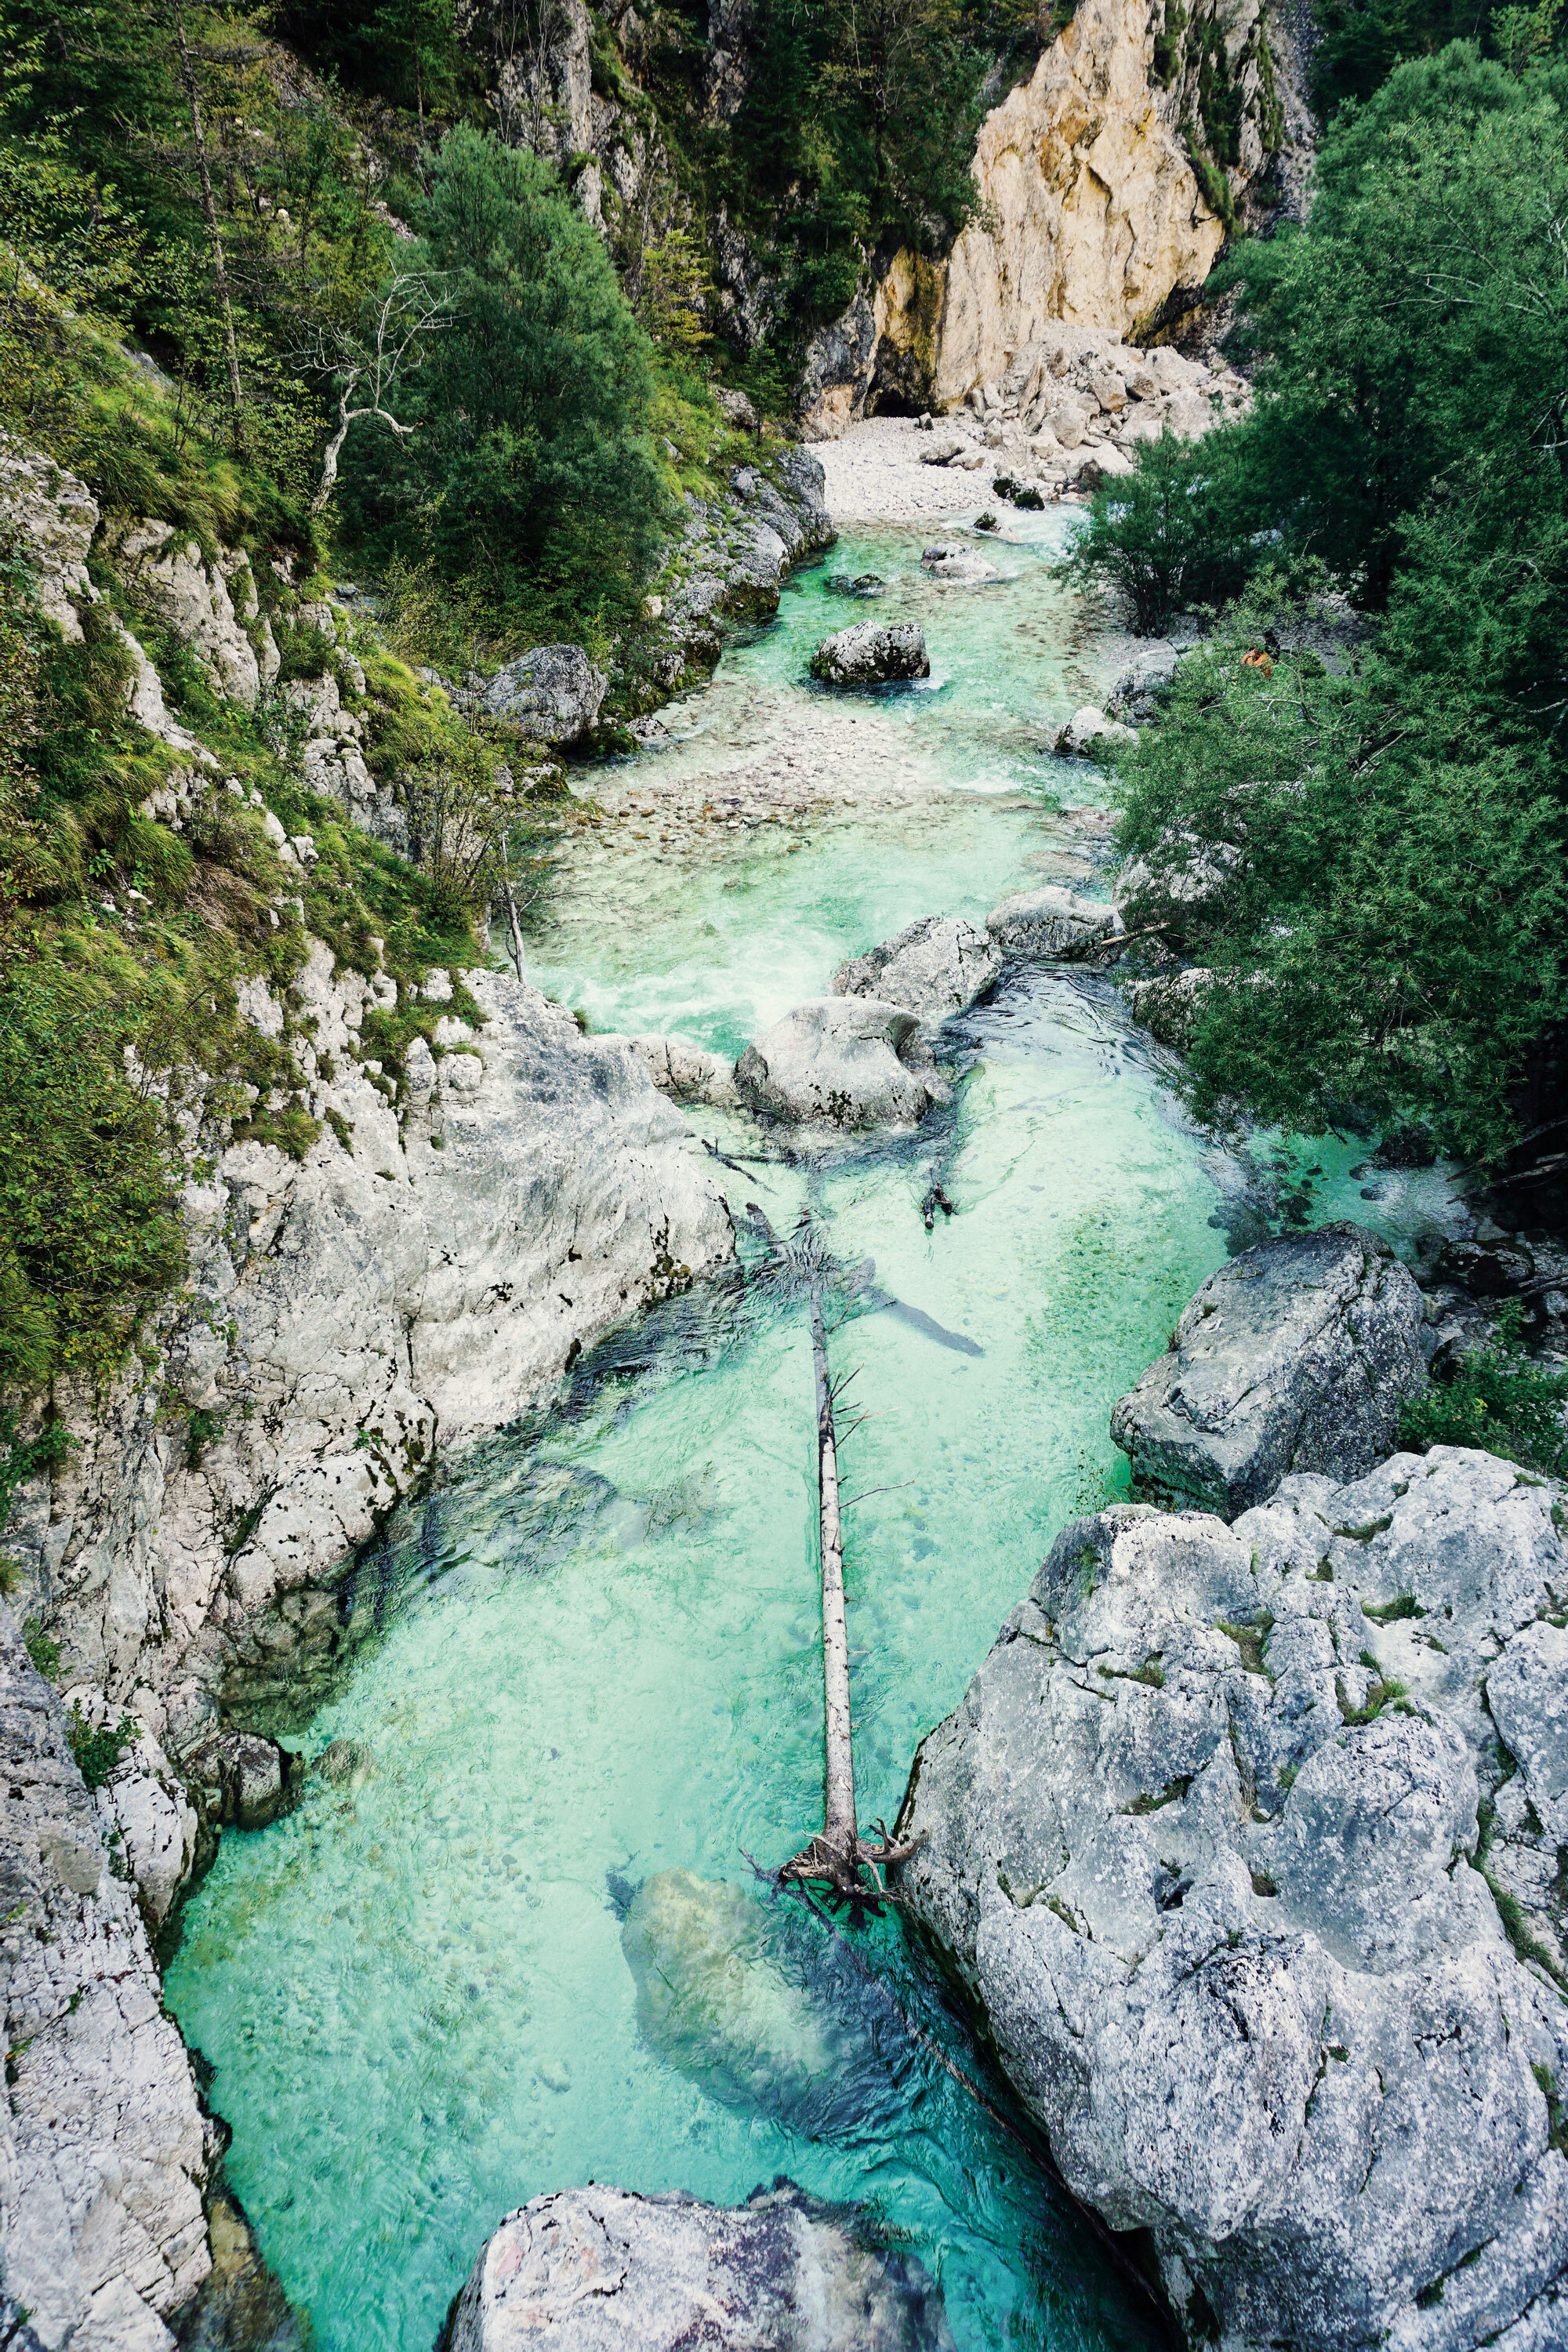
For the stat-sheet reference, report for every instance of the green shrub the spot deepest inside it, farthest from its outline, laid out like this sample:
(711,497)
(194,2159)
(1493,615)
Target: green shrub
(44,1652)
(1170,534)
(97,1748)
(531,469)
(1498,1398)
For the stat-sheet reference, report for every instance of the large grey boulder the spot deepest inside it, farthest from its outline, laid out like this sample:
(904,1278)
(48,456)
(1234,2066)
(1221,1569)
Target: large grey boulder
(551,695)
(605,2269)
(1296,1355)
(1206,1848)
(844,1062)
(872,652)
(686,1073)
(936,967)
(1052,924)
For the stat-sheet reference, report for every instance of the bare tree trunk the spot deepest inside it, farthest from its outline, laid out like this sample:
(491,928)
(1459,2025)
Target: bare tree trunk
(513,925)
(841,1855)
(220,276)
(840,1828)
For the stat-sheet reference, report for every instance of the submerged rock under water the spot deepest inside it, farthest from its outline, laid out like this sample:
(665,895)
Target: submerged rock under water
(758,2004)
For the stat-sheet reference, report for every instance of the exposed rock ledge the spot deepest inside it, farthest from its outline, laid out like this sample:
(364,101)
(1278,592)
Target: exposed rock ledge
(104,2152)
(1278,1989)
(1245,1841)
(347,1313)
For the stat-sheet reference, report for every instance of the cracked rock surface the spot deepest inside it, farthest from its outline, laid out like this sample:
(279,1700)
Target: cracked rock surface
(103,2149)
(603,2270)
(444,1249)
(1296,1355)
(1244,1841)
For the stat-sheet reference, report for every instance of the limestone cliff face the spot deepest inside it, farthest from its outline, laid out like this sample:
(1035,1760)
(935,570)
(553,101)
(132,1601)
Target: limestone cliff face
(1105,182)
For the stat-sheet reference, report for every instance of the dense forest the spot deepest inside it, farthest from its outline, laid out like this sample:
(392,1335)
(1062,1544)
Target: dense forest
(1369,848)
(296,283)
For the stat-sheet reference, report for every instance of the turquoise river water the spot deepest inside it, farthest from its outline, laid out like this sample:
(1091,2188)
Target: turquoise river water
(596,1652)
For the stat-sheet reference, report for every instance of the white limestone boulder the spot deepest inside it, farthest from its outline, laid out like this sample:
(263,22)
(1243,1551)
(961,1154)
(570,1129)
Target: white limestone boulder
(1297,1356)
(1206,1846)
(551,695)
(842,1062)
(937,966)
(872,652)
(606,2269)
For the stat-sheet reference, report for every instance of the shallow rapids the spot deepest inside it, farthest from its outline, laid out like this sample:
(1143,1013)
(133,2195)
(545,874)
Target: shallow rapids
(598,1661)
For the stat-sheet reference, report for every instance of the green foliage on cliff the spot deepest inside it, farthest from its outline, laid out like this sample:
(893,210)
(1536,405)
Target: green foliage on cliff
(1378,888)
(1362,41)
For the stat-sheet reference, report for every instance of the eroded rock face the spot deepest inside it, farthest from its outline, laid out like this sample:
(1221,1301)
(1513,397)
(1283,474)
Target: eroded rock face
(212,607)
(842,1062)
(1220,1888)
(937,966)
(1090,215)
(1053,924)
(103,2149)
(604,2270)
(871,653)
(1092,208)
(49,516)
(432,1263)
(332,759)
(1296,1355)
(551,695)
(734,553)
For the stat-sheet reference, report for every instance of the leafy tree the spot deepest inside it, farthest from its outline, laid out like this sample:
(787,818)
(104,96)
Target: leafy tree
(1420,317)
(1169,535)
(1376,886)
(531,467)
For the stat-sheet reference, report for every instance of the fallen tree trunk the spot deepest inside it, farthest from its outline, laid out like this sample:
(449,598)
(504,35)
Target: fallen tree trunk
(839,1856)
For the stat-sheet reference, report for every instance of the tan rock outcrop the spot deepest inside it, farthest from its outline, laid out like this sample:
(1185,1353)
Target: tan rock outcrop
(1092,208)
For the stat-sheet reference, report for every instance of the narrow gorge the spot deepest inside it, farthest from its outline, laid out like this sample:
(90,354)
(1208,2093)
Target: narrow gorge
(477,926)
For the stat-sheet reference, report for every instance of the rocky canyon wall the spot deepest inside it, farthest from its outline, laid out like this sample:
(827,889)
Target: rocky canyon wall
(1106,181)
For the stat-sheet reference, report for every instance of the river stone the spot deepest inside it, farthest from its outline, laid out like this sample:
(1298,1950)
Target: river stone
(936,967)
(842,1062)
(872,652)
(714,1999)
(1220,1894)
(606,2269)
(1088,732)
(344,1764)
(551,695)
(1052,924)
(944,561)
(1296,1355)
